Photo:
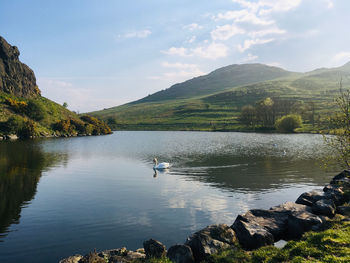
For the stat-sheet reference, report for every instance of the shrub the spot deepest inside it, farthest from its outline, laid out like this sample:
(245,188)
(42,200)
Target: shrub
(63,126)
(28,130)
(35,110)
(16,105)
(99,127)
(13,125)
(288,123)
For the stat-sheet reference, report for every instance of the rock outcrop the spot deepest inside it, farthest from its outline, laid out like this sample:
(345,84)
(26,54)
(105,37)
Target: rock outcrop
(154,249)
(180,254)
(16,78)
(210,240)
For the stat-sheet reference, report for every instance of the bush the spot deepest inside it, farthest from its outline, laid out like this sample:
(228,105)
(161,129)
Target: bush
(35,110)
(13,125)
(288,123)
(16,105)
(28,130)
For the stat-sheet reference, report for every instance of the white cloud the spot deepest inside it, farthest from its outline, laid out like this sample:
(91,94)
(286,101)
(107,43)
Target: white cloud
(244,16)
(329,3)
(181,71)
(211,51)
(136,34)
(341,58)
(192,39)
(249,58)
(192,27)
(252,42)
(177,51)
(226,32)
(268,31)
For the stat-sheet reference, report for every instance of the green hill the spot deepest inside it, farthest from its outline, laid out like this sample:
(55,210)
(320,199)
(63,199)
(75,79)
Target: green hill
(25,113)
(218,80)
(215,101)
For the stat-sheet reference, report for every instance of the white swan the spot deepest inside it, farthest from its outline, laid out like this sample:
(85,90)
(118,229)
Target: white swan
(160,166)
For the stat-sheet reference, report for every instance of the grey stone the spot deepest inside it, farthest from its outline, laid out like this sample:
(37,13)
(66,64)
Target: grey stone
(324,207)
(154,249)
(210,240)
(251,235)
(309,198)
(180,254)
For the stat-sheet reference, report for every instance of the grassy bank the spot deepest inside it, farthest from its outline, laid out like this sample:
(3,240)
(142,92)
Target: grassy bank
(330,245)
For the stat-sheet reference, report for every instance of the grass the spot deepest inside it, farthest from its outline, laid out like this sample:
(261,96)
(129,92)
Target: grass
(331,245)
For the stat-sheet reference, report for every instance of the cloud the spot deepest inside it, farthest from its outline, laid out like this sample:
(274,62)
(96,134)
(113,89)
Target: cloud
(211,51)
(264,7)
(249,58)
(329,3)
(252,42)
(226,32)
(192,39)
(180,71)
(136,34)
(192,27)
(244,16)
(341,58)
(268,31)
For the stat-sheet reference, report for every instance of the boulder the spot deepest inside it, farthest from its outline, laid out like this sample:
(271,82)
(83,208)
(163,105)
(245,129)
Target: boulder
(300,219)
(344,210)
(72,259)
(154,249)
(324,207)
(309,198)
(335,193)
(210,240)
(251,235)
(342,179)
(92,257)
(180,254)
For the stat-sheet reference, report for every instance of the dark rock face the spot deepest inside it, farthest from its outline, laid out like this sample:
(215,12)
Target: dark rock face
(16,78)
(180,254)
(210,240)
(154,249)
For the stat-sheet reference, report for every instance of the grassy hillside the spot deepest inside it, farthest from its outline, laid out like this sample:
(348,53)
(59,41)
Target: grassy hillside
(218,80)
(308,93)
(39,116)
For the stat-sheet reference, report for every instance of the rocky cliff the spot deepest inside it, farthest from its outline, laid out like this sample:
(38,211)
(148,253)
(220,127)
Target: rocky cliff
(16,78)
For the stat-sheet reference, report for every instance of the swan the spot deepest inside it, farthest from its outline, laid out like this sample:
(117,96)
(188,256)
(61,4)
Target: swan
(160,166)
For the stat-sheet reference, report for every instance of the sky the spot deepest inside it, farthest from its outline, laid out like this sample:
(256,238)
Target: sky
(96,54)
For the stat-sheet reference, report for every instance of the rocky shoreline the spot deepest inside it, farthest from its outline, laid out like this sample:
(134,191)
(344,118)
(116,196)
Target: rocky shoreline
(253,229)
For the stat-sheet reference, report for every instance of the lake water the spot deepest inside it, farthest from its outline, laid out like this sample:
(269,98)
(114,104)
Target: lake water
(60,197)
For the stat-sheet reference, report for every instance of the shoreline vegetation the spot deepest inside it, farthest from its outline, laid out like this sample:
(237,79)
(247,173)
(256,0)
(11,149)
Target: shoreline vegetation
(316,226)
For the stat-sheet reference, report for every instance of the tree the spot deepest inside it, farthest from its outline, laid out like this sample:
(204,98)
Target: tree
(340,122)
(248,115)
(65,104)
(288,123)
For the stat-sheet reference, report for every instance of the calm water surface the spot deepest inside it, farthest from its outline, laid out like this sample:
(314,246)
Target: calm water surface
(59,197)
